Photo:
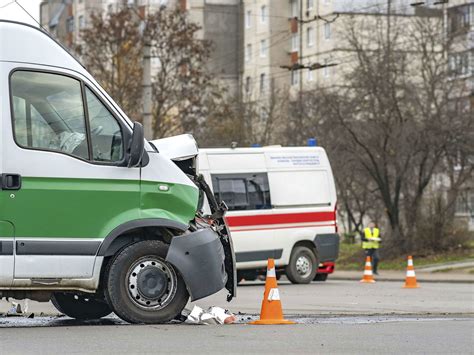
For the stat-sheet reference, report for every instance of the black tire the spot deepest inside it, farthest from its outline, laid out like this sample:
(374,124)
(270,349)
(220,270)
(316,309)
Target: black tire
(321,277)
(141,287)
(303,265)
(80,306)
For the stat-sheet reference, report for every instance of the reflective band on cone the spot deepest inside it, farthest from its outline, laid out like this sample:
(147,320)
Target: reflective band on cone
(274,295)
(271,312)
(271,272)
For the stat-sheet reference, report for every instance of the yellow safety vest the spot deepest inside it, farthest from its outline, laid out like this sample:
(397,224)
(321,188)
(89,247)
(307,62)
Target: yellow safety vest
(369,235)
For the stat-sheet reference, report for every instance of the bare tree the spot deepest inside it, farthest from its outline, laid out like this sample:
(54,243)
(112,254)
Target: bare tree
(111,50)
(182,86)
(394,119)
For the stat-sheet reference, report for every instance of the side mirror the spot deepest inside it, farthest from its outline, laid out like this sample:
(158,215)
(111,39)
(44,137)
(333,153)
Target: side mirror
(137,146)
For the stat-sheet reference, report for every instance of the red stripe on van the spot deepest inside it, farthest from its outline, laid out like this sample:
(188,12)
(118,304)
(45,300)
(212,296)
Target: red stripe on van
(266,219)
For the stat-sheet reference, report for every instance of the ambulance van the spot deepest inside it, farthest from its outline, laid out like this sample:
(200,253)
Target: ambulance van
(282,205)
(92,216)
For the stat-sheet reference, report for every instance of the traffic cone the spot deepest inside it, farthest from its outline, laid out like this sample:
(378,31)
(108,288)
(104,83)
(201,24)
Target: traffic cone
(410,280)
(368,276)
(271,312)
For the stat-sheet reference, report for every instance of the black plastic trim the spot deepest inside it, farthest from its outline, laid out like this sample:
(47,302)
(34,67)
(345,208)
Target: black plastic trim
(139,223)
(53,247)
(5,185)
(258,255)
(200,258)
(327,246)
(6,247)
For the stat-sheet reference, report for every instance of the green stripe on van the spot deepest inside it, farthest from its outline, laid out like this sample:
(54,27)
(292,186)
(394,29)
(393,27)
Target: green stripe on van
(91,208)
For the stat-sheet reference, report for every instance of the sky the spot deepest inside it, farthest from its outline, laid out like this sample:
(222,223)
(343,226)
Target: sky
(11,11)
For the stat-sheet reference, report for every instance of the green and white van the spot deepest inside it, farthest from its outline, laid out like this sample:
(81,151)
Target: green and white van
(92,216)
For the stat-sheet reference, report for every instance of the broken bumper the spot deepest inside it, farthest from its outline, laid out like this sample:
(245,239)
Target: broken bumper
(200,258)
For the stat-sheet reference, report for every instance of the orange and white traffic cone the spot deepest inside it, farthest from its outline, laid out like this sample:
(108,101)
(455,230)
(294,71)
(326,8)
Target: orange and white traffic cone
(368,276)
(410,280)
(271,312)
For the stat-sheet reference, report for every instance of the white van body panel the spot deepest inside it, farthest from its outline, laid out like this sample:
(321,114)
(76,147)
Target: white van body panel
(303,199)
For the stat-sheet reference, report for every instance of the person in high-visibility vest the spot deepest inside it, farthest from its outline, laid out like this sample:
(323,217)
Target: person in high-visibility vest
(371,243)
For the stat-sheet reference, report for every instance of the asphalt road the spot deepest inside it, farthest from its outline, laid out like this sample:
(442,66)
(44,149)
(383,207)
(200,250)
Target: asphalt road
(334,317)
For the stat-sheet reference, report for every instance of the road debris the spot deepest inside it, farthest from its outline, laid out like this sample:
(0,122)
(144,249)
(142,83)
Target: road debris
(213,315)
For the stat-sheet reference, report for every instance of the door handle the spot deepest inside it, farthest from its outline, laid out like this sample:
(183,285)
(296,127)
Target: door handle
(11,181)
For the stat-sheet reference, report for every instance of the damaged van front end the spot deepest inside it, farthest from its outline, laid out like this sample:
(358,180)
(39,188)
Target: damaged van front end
(205,254)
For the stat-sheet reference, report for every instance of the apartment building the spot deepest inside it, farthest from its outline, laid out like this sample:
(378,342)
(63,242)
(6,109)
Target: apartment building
(460,29)
(311,34)
(219,21)
(459,15)
(266,35)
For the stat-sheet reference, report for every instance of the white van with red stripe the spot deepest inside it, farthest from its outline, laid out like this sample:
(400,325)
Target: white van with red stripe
(282,205)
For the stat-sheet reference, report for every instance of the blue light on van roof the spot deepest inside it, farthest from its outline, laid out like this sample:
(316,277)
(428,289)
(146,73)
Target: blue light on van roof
(312,142)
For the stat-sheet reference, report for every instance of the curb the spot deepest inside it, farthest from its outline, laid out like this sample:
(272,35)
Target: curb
(420,279)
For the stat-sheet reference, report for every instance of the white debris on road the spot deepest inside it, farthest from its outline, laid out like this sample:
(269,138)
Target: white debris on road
(213,315)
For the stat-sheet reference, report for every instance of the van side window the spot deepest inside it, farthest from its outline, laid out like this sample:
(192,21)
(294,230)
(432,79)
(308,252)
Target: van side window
(242,191)
(48,113)
(106,134)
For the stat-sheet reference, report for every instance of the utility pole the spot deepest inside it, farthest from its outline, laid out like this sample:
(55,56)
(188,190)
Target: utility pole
(147,118)
(146,89)
(389,5)
(300,60)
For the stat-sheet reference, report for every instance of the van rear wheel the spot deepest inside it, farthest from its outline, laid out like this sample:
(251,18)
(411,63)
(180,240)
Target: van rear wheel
(80,306)
(302,266)
(142,287)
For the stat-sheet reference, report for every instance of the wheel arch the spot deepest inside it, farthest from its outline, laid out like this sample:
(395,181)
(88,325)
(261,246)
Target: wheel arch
(136,230)
(308,244)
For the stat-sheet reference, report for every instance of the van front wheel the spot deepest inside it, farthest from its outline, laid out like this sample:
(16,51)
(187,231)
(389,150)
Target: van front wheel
(303,265)
(142,287)
(80,306)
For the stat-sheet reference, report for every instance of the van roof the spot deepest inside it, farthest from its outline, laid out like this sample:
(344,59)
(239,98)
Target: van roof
(255,150)
(23,43)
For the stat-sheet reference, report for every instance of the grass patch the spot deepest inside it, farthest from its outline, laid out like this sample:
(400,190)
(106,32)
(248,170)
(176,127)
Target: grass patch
(351,257)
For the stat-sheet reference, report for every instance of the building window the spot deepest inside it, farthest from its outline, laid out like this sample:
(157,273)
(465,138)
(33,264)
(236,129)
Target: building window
(460,17)
(295,42)
(460,64)
(248,83)
(248,19)
(70,24)
(263,48)
(263,14)
(82,22)
(309,4)
(263,81)
(326,69)
(294,8)
(248,52)
(310,75)
(327,30)
(310,36)
(295,77)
